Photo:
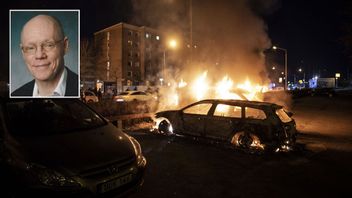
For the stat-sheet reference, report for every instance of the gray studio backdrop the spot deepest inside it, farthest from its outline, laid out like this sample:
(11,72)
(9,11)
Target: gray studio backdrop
(69,19)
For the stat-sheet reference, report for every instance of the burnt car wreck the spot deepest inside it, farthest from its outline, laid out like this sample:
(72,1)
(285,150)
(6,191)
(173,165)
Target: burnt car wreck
(247,125)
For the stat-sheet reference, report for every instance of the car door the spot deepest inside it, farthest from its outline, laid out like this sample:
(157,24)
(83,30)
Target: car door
(193,118)
(223,122)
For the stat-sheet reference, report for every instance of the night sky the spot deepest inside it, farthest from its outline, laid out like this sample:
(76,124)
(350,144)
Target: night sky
(309,30)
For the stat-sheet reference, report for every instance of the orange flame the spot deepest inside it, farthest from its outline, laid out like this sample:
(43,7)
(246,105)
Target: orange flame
(201,89)
(200,86)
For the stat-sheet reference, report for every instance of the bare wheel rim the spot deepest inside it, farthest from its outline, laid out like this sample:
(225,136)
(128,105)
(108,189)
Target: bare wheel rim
(247,141)
(164,127)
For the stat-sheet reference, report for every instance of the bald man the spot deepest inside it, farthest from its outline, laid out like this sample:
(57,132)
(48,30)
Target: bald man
(44,46)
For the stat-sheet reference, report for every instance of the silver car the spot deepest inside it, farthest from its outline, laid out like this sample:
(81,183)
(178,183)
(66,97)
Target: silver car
(60,147)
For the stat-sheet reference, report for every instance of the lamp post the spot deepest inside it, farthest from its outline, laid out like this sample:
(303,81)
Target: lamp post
(300,70)
(285,50)
(337,76)
(172,44)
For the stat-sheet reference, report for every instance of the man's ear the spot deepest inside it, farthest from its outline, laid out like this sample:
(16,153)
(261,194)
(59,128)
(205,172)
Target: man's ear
(65,44)
(21,47)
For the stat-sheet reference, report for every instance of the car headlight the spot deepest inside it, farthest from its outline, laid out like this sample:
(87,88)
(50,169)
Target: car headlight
(137,150)
(51,178)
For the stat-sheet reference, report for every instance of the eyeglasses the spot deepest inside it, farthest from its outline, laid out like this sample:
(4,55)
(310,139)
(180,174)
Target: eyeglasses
(45,46)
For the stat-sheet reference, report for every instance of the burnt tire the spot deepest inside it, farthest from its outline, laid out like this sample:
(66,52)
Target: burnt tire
(164,127)
(247,142)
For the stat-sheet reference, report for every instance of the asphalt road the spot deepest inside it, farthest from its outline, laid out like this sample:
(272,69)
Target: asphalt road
(321,167)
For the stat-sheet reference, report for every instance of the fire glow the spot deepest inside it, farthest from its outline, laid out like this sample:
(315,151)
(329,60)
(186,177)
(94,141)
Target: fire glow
(202,88)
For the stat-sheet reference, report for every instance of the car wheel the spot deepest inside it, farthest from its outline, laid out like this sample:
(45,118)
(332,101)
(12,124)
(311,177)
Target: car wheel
(248,142)
(165,127)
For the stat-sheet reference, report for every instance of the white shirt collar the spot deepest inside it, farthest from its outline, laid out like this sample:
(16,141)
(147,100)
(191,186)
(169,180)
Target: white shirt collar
(59,90)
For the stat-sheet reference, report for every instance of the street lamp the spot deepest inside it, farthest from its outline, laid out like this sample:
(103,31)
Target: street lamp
(285,50)
(171,44)
(304,73)
(300,70)
(337,76)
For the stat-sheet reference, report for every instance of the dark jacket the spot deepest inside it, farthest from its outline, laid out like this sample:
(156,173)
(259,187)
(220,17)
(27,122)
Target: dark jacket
(71,86)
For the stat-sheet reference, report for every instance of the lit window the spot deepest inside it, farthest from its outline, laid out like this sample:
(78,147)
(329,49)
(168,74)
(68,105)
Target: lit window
(157,37)
(129,42)
(147,35)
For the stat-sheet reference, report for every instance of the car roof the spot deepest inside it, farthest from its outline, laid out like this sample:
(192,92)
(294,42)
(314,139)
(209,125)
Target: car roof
(242,102)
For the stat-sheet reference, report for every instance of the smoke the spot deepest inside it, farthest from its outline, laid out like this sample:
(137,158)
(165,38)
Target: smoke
(230,36)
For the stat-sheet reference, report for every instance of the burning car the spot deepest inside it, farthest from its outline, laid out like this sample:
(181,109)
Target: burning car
(61,147)
(249,125)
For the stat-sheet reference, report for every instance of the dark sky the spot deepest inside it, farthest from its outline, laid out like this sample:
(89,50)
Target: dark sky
(309,30)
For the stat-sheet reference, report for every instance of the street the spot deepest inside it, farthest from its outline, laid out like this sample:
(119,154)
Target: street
(321,167)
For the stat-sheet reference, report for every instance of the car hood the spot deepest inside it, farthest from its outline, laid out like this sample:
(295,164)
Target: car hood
(78,151)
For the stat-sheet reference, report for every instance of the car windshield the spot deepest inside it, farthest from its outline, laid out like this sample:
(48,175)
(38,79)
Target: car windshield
(283,115)
(47,116)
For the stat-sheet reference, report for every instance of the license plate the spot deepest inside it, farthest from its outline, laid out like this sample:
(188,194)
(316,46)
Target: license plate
(110,185)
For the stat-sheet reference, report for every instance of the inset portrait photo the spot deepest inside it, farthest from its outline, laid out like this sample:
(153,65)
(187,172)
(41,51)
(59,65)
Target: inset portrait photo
(44,53)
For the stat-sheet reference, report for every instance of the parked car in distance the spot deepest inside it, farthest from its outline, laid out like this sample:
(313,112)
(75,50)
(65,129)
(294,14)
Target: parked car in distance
(63,148)
(129,96)
(89,97)
(248,125)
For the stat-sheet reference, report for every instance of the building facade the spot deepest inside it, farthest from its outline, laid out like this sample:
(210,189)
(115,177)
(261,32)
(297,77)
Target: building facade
(128,55)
